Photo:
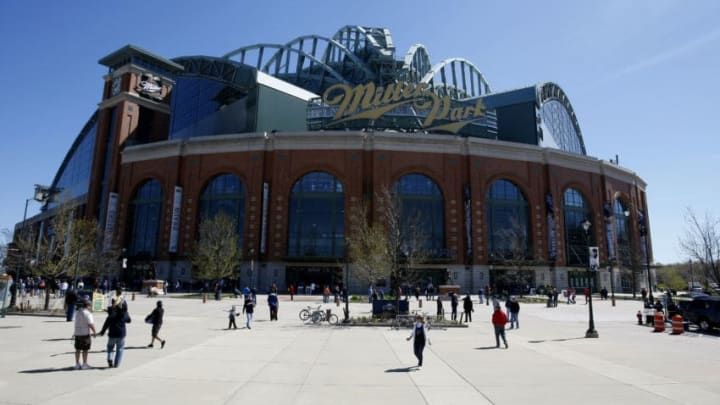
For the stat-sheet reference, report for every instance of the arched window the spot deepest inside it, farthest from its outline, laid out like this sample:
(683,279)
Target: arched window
(317,215)
(508,222)
(144,226)
(575,211)
(224,193)
(422,214)
(622,232)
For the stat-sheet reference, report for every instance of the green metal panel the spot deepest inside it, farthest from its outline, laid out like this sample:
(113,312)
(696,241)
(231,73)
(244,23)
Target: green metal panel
(280,111)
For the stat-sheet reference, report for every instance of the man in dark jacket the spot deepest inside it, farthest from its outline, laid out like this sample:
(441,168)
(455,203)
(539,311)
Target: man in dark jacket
(70,302)
(115,325)
(453,306)
(514,308)
(468,308)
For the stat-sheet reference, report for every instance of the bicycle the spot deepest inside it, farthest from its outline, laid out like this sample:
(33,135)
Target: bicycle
(307,312)
(320,315)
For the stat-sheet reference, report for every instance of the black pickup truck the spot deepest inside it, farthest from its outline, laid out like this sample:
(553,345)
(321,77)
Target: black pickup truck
(703,312)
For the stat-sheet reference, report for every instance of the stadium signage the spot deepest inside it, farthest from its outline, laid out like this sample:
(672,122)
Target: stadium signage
(370,102)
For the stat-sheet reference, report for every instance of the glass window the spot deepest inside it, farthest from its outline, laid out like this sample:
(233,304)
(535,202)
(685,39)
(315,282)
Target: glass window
(422,214)
(622,232)
(224,193)
(74,180)
(575,211)
(144,225)
(508,222)
(317,217)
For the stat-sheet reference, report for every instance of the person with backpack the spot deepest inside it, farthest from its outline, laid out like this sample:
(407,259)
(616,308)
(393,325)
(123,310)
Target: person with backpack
(467,308)
(156,319)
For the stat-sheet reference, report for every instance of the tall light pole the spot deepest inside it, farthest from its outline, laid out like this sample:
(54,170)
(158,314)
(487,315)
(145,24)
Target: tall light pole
(643,234)
(591,332)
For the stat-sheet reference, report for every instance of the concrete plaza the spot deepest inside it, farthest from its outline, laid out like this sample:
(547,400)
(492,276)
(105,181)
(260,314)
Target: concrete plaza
(287,362)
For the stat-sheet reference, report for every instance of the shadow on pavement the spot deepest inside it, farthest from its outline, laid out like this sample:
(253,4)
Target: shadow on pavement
(46,370)
(56,321)
(103,351)
(57,339)
(486,348)
(557,340)
(401,370)
(10,327)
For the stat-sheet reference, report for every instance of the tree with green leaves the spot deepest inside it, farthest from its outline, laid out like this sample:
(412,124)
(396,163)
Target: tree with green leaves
(217,253)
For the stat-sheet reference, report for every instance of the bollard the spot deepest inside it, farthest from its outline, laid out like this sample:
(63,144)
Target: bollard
(677,325)
(659,322)
(639,318)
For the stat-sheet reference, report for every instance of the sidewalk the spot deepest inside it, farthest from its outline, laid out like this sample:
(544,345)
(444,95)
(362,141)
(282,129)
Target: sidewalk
(288,362)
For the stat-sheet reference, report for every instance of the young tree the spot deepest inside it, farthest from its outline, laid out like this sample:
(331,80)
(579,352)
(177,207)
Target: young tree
(702,243)
(217,252)
(390,246)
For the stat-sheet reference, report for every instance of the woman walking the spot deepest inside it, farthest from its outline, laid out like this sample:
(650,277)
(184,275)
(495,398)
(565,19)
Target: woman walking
(248,309)
(420,334)
(156,319)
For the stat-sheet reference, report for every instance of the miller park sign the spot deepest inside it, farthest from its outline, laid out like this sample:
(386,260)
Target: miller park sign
(401,106)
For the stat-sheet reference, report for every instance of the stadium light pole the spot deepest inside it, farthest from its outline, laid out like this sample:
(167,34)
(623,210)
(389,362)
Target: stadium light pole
(591,332)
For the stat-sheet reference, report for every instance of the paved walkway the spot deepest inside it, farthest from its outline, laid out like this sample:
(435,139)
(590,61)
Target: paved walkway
(286,362)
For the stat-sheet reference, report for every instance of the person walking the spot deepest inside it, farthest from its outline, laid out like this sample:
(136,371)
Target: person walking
(586,292)
(115,325)
(420,336)
(499,319)
(291,290)
(453,306)
(273,303)
(248,309)
(480,296)
(232,314)
(84,324)
(440,310)
(71,299)
(514,311)
(487,295)
(468,308)
(156,319)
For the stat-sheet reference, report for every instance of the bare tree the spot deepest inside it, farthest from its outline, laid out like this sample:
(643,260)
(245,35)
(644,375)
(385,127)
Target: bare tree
(702,243)
(217,252)
(391,246)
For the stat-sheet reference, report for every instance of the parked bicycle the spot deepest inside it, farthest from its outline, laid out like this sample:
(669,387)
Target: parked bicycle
(307,312)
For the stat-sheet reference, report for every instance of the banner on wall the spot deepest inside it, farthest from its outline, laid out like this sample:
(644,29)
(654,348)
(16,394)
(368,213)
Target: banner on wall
(175,221)
(468,221)
(552,237)
(263,224)
(110,221)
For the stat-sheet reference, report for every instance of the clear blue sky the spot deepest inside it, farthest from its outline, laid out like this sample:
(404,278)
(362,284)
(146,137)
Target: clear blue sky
(642,75)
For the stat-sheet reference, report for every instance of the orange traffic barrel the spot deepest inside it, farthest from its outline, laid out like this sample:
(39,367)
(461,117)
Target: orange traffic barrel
(677,325)
(659,322)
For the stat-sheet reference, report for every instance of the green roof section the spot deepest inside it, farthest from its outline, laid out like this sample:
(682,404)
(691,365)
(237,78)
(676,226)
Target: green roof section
(128,52)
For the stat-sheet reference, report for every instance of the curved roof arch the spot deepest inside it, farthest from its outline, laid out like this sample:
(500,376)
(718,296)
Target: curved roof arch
(315,75)
(332,53)
(571,140)
(458,78)
(416,64)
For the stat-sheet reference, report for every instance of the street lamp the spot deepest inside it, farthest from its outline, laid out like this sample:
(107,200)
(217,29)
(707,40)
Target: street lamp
(643,235)
(592,254)
(346,292)
(612,284)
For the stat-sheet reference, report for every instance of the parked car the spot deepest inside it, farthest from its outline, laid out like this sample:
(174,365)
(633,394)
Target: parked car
(703,312)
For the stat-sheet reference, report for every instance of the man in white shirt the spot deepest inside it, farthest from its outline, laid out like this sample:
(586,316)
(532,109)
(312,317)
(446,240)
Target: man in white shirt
(84,324)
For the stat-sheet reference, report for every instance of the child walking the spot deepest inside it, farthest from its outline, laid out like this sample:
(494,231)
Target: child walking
(420,336)
(232,314)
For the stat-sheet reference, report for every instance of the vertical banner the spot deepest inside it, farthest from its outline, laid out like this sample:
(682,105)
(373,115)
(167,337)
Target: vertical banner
(175,221)
(552,237)
(468,221)
(110,220)
(263,224)
(609,234)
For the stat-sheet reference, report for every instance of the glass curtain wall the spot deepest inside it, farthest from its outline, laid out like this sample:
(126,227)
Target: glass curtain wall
(575,211)
(317,217)
(507,221)
(145,211)
(422,214)
(225,193)
(622,232)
